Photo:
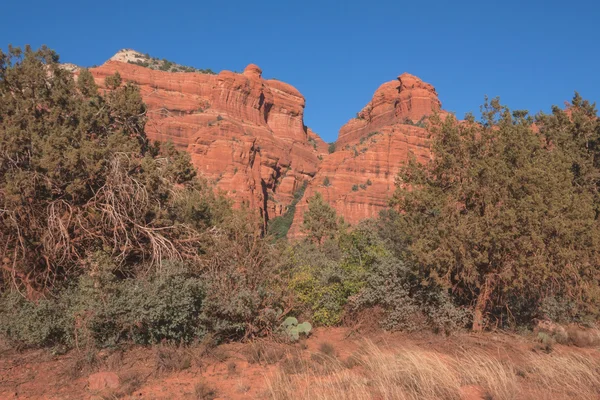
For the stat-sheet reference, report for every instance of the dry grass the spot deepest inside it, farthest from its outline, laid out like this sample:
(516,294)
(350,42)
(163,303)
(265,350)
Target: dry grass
(328,349)
(264,353)
(411,373)
(564,376)
(130,382)
(82,363)
(171,359)
(498,379)
(204,391)
(407,374)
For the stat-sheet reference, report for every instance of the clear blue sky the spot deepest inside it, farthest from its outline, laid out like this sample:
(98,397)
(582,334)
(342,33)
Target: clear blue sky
(530,53)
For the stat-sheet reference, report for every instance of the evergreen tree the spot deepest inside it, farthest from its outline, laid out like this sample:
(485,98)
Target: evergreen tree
(320,220)
(506,212)
(78,176)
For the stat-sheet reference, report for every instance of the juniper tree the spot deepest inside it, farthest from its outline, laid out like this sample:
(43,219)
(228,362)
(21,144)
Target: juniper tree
(78,175)
(320,220)
(506,210)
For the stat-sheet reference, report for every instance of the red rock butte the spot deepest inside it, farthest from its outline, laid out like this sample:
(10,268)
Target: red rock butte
(247,134)
(243,132)
(358,178)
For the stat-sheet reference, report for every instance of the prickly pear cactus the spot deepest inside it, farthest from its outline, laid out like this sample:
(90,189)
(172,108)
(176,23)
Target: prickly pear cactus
(304,328)
(290,321)
(294,330)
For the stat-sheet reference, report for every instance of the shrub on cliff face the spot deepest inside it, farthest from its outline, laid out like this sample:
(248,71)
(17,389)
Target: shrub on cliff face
(279,227)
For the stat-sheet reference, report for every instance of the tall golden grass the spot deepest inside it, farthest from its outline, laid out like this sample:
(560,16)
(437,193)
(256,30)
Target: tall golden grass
(411,373)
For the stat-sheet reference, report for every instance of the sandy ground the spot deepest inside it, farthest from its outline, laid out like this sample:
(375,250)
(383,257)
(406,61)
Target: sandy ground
(231,371)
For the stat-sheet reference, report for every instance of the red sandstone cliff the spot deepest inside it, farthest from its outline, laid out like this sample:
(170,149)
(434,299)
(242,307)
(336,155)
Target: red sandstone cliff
(247,134)
(371,148)
(244,132)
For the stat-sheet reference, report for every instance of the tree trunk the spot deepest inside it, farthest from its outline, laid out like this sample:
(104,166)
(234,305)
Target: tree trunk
(481,304)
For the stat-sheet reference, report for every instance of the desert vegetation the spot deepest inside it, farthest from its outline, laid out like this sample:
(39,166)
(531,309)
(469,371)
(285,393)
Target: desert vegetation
(108,239)
(146,61)
(412,372)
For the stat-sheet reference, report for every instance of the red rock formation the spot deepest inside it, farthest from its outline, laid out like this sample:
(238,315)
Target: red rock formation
(244,132)
(248,135)
(371,149)
(406,99)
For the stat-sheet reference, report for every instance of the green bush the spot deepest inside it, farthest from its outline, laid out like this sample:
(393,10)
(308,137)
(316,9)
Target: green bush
(325,277)
(32,324)
(245,291)
(104,311)
(408,305)
(331,148)
(355,188)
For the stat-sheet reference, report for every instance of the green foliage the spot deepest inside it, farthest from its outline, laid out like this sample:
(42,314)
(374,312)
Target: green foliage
(236,293)
(32,324)
(355,188)
(320,220)
(408,305)
(111,82)
(166,65)
(245,287)
(103,311)
(117,238)
(331,148)
(325,277)
(326,182)
(279,226)
(507,214)
(78,175)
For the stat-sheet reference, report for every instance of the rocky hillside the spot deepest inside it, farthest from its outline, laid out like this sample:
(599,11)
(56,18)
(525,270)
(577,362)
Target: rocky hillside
(247,134)
(244,132)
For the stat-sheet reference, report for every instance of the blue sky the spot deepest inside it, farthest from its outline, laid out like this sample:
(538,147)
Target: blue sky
(530,53)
